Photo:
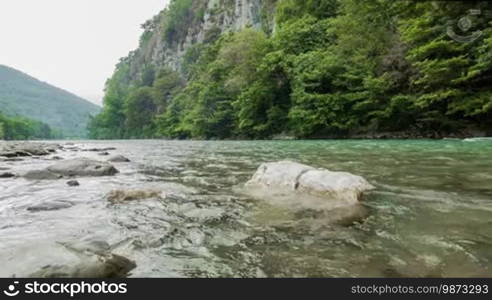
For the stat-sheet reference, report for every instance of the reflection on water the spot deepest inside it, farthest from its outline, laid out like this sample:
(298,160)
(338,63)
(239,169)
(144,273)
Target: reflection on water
(431,214)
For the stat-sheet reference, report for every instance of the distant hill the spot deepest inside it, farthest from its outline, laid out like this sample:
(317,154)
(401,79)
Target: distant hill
(23,95)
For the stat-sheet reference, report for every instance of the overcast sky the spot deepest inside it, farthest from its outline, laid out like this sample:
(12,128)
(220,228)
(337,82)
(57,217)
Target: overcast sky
(72,44)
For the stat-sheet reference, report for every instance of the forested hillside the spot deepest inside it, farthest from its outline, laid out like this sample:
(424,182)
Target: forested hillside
(24,96)
(17,128)
(308,69)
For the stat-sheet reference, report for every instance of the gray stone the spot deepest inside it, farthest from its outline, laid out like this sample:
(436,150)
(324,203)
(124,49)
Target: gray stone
(7,175)
(73,183)
(41,175)
(122,196)
(83,167)
(118,158)
(95,266)
(50,205)
(290,177)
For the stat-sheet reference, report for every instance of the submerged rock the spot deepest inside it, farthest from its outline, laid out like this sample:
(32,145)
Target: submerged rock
(41,175)
(50,205)
(95,266)
(70,168)
(294,177)
(7,175)
(122,196)
(73,183)
(99,149)
(83,167)
(118,158)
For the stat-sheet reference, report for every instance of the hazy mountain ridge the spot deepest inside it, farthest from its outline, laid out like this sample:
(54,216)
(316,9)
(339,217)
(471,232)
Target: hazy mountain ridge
(24,95)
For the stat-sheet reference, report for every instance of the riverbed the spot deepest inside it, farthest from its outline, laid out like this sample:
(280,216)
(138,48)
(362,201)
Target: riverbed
(429,216)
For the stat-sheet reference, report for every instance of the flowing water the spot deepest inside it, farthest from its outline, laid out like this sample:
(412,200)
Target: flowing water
(431,214)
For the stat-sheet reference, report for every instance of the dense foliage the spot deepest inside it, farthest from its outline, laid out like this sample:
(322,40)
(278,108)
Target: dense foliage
(23,95)
(330,68)
(17,128)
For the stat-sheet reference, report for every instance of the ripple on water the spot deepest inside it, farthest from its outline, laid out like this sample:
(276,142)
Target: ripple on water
(432,208)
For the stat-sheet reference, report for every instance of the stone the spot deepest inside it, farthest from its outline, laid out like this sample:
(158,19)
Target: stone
(99,149)
(94,266)
(82,167)
(41,175)
(284,174)
(7,175)
(73,183)
(122,196)
(118,158)
(19,149)
(291,177)
(50,205)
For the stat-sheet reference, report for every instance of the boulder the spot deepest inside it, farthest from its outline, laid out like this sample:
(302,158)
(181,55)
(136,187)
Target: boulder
(82,167)
(290,177)
(118,158)
(95,266)
(122,196)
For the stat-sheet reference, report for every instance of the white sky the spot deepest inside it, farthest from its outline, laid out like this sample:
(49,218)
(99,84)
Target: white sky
(72,44)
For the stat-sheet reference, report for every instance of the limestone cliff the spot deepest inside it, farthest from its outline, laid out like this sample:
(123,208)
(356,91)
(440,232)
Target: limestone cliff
(198,21)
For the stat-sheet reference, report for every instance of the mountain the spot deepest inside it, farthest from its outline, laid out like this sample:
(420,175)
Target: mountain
(259,69)
(23,95)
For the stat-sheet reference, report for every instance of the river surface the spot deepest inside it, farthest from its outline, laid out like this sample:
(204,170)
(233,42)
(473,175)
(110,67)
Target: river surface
(430,216)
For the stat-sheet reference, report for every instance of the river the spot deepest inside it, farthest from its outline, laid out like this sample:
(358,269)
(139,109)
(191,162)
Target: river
(430,216)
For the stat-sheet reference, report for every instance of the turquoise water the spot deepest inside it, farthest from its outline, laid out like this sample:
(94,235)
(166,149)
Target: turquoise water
(430,216)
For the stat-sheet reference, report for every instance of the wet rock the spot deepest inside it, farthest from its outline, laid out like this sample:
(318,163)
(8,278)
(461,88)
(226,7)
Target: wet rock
(182,238)
(103,153)
(49,206)
(118,158)
(11,154)
(19,149)
(13,159)
(83,167)
(295,177)
(7,175)
(122,196)
(41,175)
(73,183)
(338,185)
(99,247)
(213,214)
(95,266)
(99,149)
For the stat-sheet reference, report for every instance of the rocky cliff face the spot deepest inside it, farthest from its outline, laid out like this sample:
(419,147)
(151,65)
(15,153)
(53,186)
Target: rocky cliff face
(203,21)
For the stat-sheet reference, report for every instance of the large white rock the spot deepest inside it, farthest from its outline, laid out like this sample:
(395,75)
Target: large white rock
(291,177)
(279,174)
